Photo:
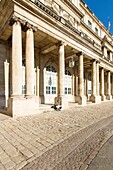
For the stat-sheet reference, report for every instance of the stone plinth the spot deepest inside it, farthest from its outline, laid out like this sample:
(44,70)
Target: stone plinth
(81,100)
(103,97)
(23,106)
(95,99)
(61,100)
(109,97)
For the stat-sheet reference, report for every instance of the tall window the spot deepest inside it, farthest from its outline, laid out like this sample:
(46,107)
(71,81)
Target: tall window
(51,80)
(68,82)
(96,30)
(89,24)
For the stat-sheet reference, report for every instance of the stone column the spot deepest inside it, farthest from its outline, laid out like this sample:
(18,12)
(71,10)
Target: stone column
(81,96)
(76,81)
(73,84)
(16,60)
(29,62)
(86,85)
(93,96)
(102,84)
(15,100)
(61,71)
(112,85)
(37,81)
(97,83)
(97,79)
(6,72)
(61,98)
(108,97)
(21,106)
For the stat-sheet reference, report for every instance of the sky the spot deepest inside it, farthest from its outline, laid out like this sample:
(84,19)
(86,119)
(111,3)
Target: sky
(103,9)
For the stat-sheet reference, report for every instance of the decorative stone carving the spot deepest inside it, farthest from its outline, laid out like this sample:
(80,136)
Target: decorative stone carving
(25,24)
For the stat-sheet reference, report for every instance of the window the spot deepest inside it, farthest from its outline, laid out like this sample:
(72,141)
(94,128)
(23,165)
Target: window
(96,30)
(68,82)
(51,80)
(89,24)
(23,89)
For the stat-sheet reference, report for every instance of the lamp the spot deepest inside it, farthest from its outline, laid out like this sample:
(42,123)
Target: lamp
(71,63)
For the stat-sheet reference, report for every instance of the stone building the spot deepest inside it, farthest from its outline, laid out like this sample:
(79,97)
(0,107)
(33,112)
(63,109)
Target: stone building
(52,51)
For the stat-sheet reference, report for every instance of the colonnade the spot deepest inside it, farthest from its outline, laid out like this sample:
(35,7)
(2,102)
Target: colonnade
(29,98)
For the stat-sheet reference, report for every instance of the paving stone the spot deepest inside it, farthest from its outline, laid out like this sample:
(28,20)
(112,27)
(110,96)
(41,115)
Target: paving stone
(34,135)
(5,160)
(9,165)
(2,167)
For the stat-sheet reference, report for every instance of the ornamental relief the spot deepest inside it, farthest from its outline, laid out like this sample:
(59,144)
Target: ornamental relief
(60,11)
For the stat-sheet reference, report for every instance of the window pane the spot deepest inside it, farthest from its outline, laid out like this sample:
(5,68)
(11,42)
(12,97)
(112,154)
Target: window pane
(89,24)
(23,89)
(69,90)
(65,90)
(47,90)
(53,90)
(96,30)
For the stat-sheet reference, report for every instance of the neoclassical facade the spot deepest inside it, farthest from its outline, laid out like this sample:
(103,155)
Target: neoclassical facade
(52,51)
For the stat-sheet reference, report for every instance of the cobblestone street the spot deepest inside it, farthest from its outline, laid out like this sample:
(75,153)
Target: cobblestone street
(24,138)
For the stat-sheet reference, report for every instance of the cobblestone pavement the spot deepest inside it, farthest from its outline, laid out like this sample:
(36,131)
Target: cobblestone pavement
(104,159)
(22,138)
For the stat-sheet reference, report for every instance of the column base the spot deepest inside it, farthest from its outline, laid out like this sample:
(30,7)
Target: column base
(61,100)
(109,97)
(81,100)
(23,106)
(103,97)
(95,99)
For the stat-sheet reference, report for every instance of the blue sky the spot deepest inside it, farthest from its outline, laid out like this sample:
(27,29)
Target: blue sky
(102,9)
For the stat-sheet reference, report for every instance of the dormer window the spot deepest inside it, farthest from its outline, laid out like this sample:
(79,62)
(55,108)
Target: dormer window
(89,24)
(96,30)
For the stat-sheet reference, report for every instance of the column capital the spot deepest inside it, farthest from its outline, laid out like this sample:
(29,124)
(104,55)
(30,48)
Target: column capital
(80,53)
(29,26)
(94,60)
(62,43)
(14,19)
(25,24)
(98,62)
(102,68)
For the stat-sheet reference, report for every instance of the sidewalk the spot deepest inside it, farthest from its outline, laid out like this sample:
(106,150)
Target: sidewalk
(104,159)
(23,138)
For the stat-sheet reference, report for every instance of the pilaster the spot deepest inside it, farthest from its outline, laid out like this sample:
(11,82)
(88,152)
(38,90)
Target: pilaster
(108,96)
